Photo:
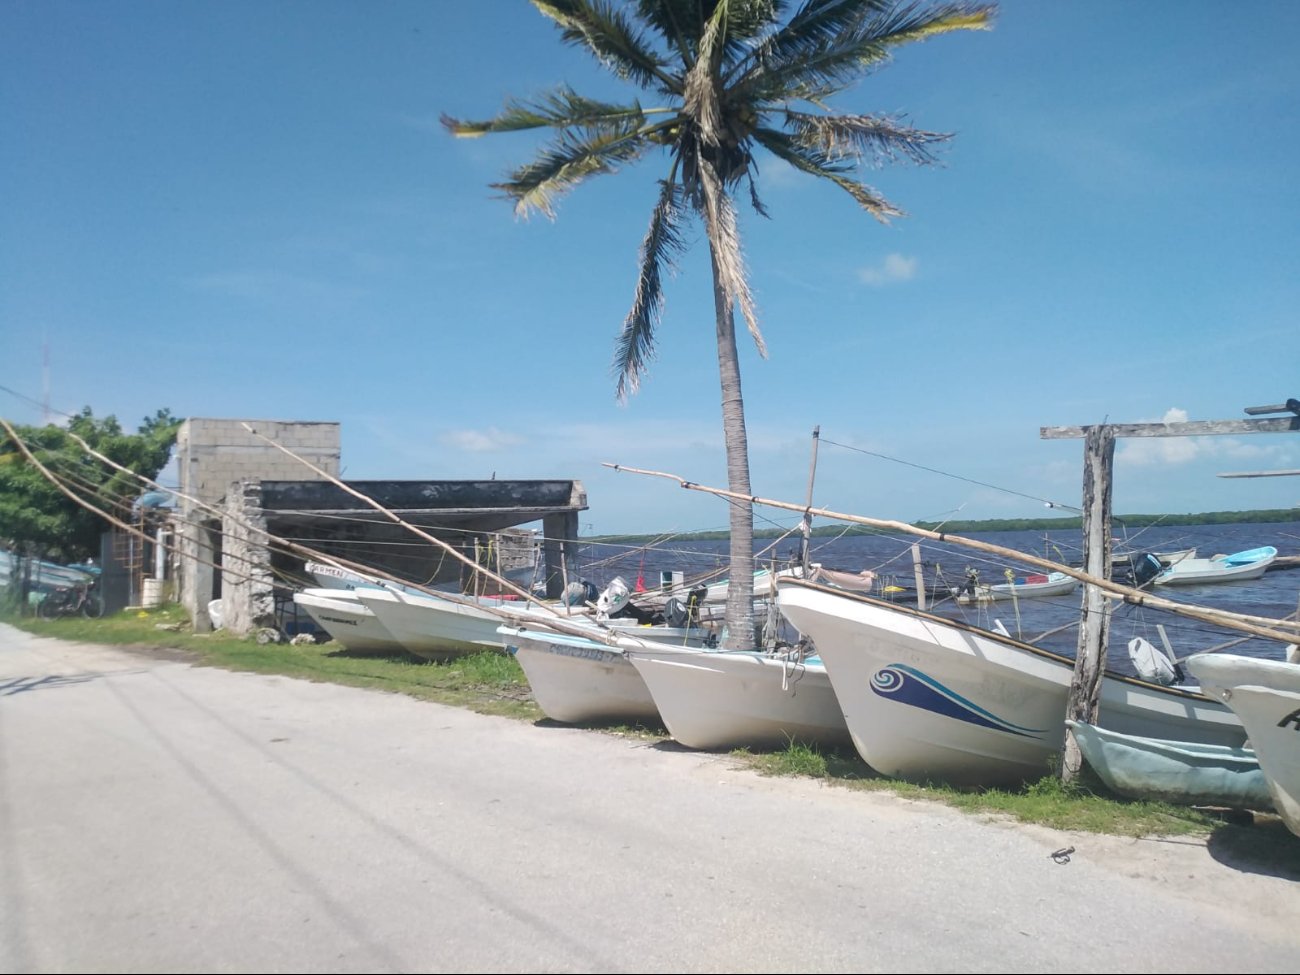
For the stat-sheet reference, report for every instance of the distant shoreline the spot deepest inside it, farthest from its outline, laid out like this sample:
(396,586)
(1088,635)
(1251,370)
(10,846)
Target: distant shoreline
(1260,517)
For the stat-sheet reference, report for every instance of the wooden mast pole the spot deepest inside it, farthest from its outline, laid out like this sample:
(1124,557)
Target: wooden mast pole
(806,525)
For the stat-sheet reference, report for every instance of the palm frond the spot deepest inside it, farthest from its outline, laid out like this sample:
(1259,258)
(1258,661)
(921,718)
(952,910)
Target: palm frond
(724,245)
(834,61)
(611,37)
(815,24)
(754,200)
(813,161)
(567,162)
(880,137)
(662,243)
(561,108)
(700,97)
(682,23)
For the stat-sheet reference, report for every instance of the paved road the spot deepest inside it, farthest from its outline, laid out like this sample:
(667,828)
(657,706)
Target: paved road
(158,817)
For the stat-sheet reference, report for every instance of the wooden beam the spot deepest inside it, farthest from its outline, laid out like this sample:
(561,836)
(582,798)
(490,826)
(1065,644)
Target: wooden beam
(1191,428)
(1261,474)
(1290,406)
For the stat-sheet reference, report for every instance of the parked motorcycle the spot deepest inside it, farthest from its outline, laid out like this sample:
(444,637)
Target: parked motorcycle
(71,601)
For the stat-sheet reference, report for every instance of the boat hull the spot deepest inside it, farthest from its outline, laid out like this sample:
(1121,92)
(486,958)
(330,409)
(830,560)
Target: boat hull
(579,681)
(1179,772)
(348,622)
(715,700)
(1265,694)
(436,629)
(927,698)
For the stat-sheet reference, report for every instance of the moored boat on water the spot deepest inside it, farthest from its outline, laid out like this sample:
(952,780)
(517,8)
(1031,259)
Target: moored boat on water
(1249,564)
(1029,586)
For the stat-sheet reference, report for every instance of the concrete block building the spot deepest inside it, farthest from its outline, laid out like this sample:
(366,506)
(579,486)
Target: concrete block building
(248,487)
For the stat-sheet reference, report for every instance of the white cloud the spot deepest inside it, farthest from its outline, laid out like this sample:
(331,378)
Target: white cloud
(894,268)
(1163,451)
(480,441)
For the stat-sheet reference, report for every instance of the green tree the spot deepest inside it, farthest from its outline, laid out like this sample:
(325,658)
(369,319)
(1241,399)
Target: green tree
(37,518)
(735,77)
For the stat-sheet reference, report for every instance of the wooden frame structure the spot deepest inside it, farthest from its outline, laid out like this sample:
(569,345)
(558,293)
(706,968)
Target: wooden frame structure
(1098,461)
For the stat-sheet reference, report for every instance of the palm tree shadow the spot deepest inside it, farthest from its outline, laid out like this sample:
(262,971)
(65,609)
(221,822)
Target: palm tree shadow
(19,685)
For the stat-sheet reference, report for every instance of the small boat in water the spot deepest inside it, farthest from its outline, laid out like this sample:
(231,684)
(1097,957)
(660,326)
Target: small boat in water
(1018,587)
(1250,564)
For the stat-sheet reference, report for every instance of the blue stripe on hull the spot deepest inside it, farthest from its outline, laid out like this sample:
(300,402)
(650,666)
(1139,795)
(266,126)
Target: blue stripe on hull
(907,685)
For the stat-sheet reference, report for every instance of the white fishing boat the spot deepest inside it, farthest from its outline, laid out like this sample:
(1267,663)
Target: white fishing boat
(438,627)
(441,627)
(710,596)
(727,699)
(1029,586)
(1124,559)
(927,698)
(1265,695)
(1250,564)
(329,576)
(577,680)
(347,620)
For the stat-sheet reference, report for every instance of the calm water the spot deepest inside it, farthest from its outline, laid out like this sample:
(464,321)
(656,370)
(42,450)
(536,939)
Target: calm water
(1275,595)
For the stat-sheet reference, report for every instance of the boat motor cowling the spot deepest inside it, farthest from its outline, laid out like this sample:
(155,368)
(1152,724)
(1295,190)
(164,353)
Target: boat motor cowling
(685,613)
(1145,568)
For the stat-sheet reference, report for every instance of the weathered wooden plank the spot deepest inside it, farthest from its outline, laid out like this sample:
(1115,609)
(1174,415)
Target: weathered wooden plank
(1290,406)
(1190,428)
(1261,474)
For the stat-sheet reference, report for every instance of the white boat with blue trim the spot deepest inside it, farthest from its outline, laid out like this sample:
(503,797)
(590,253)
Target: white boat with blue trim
(928,698)
(1240,566)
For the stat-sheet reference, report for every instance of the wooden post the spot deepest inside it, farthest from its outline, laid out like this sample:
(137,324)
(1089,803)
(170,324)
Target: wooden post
(920,575)
(1094,622)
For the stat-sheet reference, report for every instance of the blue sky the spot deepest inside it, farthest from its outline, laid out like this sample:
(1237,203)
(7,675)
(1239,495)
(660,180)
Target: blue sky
(249,209)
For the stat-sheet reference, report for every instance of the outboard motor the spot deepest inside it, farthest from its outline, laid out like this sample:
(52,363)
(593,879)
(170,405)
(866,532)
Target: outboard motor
(1145,568)
(678,613)
(675,613)
(613,599)
(577,593)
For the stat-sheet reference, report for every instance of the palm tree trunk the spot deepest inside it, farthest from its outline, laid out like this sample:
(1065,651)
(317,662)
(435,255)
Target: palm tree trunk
(740,590)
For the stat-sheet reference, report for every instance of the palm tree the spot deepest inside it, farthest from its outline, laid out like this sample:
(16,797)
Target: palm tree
(734,76)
